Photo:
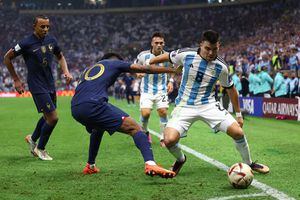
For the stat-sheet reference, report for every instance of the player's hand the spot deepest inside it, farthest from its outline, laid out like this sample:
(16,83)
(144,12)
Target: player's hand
(170,87)
(140,75)
(178,69)
(68,77)
(240,121)
(19,86)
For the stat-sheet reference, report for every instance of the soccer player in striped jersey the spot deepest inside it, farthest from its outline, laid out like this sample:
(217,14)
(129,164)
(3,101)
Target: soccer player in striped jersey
(154,87)
(195,101)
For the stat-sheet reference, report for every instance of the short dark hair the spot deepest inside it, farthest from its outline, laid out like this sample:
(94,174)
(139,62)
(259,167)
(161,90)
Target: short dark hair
(35,19)
(211,36)
(158,34)
(111,55)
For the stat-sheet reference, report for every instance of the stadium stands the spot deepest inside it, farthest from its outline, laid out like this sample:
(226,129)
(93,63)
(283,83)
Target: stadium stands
(251,33)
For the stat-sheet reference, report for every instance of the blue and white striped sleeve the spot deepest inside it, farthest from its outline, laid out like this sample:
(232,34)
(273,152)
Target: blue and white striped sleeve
(176,57)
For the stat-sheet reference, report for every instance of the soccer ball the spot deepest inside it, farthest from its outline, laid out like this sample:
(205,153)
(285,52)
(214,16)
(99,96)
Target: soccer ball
(240,175)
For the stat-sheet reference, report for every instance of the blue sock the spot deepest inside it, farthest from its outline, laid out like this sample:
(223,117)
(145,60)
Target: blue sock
(142,143)
(95,140)
(45,135)
(37,131)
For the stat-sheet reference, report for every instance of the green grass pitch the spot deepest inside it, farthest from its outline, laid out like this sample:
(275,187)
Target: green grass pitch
(275,143)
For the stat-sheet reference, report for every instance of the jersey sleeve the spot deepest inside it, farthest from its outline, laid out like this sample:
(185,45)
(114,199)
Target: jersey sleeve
(123,66)
(56,48)
(177,57)
(225,78)
(139,60)
(19,48)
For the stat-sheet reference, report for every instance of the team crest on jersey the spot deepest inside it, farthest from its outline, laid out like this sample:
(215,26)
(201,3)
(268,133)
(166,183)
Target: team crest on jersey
(43,48)
(50,47)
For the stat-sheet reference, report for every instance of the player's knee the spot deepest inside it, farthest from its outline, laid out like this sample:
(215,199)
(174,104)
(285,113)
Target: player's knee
(162,112)
(53,121)
(130,127)
(170,140)
(146,115)
(235,132)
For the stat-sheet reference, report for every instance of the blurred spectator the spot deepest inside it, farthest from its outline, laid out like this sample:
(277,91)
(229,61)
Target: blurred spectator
(254,83)
(280,87)
(293,60)
(287,81)
(266,82)
(293,85)
(245,85)
(252,34)
(276,61)
(237,81)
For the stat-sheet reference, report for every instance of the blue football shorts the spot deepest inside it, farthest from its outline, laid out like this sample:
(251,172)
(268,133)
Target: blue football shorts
(100,116)
(45,102)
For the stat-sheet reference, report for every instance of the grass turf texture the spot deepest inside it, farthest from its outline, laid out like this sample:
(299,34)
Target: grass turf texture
(275,143)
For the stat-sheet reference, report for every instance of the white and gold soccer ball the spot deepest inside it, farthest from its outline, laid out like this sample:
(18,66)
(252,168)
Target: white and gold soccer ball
(240,175)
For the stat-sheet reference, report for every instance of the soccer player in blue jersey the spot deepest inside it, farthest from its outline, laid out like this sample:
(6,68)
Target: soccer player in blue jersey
(195,101)
(90,107)
(37,50)
(154,87)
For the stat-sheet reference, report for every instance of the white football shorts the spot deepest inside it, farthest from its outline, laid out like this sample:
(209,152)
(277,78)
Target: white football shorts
(160,99)
(212,114)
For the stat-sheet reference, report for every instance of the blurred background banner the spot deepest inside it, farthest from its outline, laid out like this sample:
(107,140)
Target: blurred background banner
(279,108)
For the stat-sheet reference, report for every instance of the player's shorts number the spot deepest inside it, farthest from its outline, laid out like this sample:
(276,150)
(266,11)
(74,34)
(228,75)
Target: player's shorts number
(163,98)
(87,73)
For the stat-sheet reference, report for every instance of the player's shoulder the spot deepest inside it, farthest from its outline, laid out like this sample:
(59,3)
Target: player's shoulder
(27,40)
(184,52)
(113,63)
(187,50)
(50,38)
(144,53)
(219,60)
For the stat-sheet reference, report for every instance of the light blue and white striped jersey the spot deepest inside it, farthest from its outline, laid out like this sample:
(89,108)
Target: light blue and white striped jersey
(152,83)
(198,77)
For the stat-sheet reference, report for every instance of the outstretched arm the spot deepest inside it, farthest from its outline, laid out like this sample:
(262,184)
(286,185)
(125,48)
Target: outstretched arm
(159,59)
(19,86)
(151,69)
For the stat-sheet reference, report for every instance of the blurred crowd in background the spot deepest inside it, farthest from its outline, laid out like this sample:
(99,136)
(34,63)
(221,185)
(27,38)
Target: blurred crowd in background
(260,42)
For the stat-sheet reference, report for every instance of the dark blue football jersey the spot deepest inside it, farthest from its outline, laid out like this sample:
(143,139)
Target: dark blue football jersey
(38,56)
(95,81)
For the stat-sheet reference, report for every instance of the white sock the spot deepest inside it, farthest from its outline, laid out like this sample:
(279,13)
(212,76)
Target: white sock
(150,162)
(144,123)
(163,122)
(242,146)
(177,152)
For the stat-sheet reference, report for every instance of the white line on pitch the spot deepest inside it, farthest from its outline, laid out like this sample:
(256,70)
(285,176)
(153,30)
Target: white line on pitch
(265,188)
(240,196)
